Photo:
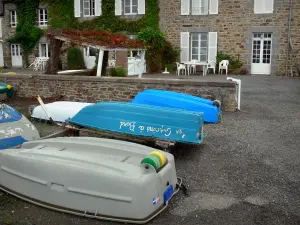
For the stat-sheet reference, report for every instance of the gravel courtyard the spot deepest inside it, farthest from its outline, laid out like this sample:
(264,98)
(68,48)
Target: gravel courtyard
(246,172)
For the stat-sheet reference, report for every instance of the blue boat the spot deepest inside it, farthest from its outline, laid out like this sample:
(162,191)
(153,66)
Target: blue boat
(155,122)
(170,99)
(15,129)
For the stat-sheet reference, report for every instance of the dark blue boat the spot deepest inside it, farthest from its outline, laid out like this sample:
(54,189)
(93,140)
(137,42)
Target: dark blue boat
(142,120)
(15,129)
(170,99)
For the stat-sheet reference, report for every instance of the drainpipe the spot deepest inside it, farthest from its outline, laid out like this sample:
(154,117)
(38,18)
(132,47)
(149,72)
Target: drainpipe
(289,37)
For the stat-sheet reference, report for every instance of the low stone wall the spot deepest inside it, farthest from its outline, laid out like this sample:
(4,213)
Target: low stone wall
(92,89)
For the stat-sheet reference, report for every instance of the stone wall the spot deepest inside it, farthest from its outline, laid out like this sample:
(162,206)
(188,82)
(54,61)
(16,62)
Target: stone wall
(235,23)
(92,89)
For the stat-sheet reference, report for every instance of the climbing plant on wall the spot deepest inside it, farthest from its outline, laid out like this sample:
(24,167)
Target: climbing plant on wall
(61,14)
(27,33)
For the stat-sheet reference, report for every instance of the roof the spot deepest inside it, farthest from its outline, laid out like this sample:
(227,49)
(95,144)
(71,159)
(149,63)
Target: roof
(97,39)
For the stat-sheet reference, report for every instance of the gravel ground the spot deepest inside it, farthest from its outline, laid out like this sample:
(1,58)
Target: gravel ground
(246,172)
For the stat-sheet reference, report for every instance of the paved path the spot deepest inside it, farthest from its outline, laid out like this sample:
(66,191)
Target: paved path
(247,171)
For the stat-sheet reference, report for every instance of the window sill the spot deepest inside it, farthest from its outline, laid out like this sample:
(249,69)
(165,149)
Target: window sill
(263,13)
(130,14)
(43,26)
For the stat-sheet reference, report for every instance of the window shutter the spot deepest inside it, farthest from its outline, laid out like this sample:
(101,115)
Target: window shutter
(1,35)
(212,46)
(118,7)
(141,7)
(98,8)
(77,8)
(185,7)
(268,6)
(259,6)
(184,46)
(213,6)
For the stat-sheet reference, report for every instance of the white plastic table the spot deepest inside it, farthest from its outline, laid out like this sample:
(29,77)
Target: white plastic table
(189,64)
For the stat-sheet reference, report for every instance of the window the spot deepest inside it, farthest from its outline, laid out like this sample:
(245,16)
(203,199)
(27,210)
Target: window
(43,17)
(199,46)
(130,7)
(263,6)
(199,7)
(44,50)
(88,7)
(13,18)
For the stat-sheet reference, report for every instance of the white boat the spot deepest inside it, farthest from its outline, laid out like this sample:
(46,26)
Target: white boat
(60,111)
(92,177)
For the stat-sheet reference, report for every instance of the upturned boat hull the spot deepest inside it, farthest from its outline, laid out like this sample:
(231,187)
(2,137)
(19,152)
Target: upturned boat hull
(142,120)
(92,177)
(211,109)
(15,129)
(60,111)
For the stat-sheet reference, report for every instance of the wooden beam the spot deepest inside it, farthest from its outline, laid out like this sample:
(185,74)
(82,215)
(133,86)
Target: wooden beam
(87,44)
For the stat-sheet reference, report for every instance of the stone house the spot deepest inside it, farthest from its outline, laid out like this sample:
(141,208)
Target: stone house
(255,31)
(11,54)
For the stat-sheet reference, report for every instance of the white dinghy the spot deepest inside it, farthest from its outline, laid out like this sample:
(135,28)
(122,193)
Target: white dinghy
(60,111)
(92,177)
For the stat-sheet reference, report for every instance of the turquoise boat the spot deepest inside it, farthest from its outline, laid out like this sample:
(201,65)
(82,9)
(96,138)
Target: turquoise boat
(15,129)
(211,109)
(6,89)
(162,123)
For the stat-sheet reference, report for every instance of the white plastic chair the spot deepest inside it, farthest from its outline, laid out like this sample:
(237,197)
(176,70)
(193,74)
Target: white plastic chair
(193,67)
(211,65)
(223,65)
(180,67)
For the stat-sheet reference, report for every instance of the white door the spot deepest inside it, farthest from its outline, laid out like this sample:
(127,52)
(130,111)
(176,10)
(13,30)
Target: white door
(89,57)
(16,55)
(261,53)
(1,55)
(131,66)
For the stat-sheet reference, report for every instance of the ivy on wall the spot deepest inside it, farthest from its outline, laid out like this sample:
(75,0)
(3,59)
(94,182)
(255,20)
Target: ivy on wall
(61,14)
(27,33)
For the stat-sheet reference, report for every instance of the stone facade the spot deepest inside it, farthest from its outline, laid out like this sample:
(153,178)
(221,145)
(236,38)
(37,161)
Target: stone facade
(93,89)
(8,31)
(235,23)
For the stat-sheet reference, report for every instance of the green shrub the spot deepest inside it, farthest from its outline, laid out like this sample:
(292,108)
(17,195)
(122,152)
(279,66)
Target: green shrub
(75,59)
(234,64)
(118,72)
(170,67)
(159,51)
(170,55)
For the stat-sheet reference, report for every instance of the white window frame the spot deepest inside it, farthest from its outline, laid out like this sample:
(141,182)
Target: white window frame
(205,11)
(47,50)
(13,16)
(91,8)
(199,45)
(261,5)
(44,13)
(209,7)
(131,7)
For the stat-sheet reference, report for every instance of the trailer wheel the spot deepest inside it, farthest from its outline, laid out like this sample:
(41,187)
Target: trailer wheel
(217,103)
(30,109)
